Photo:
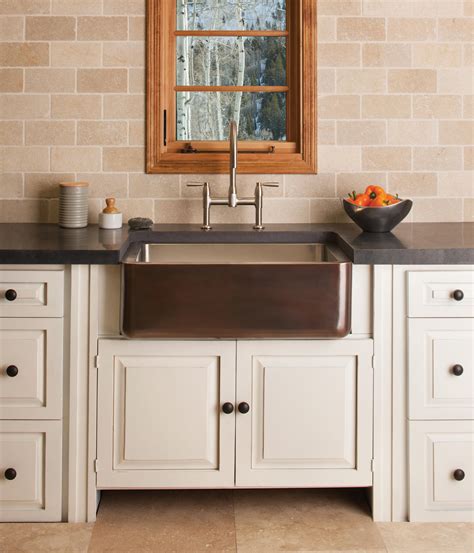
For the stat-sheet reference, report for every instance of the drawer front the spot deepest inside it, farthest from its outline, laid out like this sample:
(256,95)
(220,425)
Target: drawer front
(31,368)
(434,293)
(31,293)
(30,471)
(441,368)
(441,471)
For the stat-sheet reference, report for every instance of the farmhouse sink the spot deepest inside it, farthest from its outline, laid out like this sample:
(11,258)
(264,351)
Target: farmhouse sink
(235,291)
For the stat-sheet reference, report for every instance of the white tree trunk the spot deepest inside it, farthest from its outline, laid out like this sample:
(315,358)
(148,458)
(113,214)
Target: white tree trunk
(183,129)
(241,67)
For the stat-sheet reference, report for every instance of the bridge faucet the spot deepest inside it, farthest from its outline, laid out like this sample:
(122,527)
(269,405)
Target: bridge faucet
(232,200)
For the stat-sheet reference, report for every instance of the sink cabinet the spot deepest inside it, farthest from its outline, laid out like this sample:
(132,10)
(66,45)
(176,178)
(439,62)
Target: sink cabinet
(301,413)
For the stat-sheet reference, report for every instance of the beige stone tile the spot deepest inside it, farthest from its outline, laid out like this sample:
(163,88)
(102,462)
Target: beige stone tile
(412,132)
(136,81)
(102,80)
(326,132)
(11,185)
(153,186)
(468,55)
(50,80)
(84,7)
(21,211)
(321,185)
(412,80)
(455,81)
(136,133)
(409,8)
(77,106)
(124,159)
(409,185)
(31,106)
(456,28)
(468,210)
(439,106)
(76,54)
(326,29)
(361,28)
(358,182)
(304,520)
(32,158)
(326,81)
(11,28)
(338,54)
(45,185)
(468,158)
(188,211)
(104,185)
(361,81)
(23,54)
(389,158)
(106,133)
(73,159)
(24,7)
(339,7)
(361,132)
(468,106)
(50,133)
(124,54)
(124,7)
(50,28)
(456,132)
(339,107)
(11,133)
(437,55)
(102,28)
(386,106)
(459,184)
(406,29)
(434,210)
(165,521)
(45,538)
(338,158)
(126,106)
(469,8)
(136,28)
(386,55)
(11,80)
(443,158)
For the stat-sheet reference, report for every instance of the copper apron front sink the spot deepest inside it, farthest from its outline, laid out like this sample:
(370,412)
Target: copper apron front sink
(236,291)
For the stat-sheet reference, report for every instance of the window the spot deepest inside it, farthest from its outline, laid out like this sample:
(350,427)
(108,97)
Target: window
(211,61)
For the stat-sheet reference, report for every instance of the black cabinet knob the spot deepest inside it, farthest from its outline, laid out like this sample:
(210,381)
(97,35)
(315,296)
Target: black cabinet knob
(228,408)
(458,295)
(459,475)
(12,370)
(244,408)
(458,370)
(10,474)
(10,295)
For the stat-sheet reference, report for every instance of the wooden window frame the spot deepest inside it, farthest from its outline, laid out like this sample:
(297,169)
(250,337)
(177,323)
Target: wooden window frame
(297,155)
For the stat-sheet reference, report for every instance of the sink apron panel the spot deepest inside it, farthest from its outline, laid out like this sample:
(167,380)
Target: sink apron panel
(236,301)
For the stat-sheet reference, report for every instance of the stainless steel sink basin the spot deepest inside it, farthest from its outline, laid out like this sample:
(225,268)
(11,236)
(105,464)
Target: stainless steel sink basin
(235,291)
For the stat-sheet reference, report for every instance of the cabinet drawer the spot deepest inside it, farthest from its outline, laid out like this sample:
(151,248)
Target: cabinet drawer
(35,293)
(31,368)
(441,470)
(30,455)
(440,368)
(434,293)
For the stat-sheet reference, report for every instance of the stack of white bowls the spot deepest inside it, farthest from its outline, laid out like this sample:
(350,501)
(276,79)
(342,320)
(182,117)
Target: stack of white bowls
(73,206)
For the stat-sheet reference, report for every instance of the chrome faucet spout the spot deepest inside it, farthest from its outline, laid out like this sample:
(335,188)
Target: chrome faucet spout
(233,200)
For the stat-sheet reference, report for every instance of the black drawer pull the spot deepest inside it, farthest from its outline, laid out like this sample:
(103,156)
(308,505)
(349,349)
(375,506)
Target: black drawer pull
(227,408)
(244,407)
(10,474)
(458,370)
(459,475)
(11,295)
(458,295)
(12,370)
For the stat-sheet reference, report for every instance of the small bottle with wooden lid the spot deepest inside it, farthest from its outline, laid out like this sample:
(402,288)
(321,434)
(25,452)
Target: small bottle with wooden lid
(110,217)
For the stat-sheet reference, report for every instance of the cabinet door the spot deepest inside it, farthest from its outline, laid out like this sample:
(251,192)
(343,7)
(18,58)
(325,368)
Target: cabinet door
(160,417)
(310,417)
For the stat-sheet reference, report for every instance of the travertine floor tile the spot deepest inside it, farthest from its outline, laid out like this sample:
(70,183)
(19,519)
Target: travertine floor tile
(165,522)
(268,521)
(45,537)
(411,537)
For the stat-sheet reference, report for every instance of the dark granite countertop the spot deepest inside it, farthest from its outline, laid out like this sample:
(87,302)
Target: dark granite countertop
(409,243)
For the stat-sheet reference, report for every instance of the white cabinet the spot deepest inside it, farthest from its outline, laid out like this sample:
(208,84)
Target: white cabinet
(310,417)
(301,414)
(160,422)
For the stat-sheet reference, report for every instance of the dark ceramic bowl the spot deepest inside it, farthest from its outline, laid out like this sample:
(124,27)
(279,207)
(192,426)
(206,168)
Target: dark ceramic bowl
(378,219)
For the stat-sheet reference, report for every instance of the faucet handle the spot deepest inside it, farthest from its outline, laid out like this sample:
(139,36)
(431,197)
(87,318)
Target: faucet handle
(194,183)
(272,184)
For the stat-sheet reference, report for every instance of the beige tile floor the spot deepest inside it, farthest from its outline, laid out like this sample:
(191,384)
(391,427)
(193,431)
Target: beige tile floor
(244,521)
